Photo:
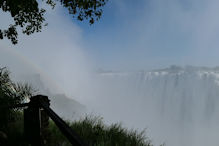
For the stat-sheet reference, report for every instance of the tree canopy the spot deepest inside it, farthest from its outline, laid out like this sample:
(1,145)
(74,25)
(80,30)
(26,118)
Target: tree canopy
(30,18)
(10,94)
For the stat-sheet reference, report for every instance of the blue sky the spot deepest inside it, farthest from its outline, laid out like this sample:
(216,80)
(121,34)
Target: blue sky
(145,34)
(131,35)
(136,34)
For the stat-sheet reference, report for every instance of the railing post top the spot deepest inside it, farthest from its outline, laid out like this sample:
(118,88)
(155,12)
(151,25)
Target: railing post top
(38,99)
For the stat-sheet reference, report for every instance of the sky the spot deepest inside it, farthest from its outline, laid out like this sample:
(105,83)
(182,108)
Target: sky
(131,35)
(147,34)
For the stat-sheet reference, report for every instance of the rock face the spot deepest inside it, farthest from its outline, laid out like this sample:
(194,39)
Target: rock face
(66,107)
(178,105)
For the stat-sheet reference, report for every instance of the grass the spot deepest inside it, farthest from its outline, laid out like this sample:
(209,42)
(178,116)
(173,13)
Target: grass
(91,129)
(95,133)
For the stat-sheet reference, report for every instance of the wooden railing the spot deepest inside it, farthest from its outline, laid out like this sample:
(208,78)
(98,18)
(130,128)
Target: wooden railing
(36,120)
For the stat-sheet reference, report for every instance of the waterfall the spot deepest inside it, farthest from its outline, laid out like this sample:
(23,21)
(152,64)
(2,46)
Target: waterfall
(177,105)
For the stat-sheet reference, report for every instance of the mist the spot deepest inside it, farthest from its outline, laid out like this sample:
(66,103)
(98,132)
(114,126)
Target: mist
(99,65)
(57,53)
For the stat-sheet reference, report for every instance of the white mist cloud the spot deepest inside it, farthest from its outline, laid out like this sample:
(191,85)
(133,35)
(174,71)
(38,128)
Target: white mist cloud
(147,34)
(57,51)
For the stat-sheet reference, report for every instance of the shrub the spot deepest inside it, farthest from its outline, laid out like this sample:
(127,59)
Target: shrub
(10,94)
(95,133)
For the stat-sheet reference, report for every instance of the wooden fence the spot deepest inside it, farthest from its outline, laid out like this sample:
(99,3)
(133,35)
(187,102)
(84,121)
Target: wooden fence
(36,121)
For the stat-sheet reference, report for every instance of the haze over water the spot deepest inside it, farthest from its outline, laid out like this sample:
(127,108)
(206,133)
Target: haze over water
(178,106)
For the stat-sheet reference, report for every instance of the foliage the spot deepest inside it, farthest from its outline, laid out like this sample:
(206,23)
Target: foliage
(56,137)
(91,129)
(96,133)
(30,17)
(10,94)
(15,131)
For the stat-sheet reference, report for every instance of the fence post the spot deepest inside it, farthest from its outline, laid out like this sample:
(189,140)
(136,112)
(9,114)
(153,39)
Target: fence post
(36,121)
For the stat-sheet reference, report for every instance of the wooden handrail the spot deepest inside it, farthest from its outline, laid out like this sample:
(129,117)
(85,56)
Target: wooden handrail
(73,138)
(42,102)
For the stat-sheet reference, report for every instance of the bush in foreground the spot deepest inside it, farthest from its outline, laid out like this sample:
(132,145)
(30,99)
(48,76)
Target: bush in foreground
(95,133)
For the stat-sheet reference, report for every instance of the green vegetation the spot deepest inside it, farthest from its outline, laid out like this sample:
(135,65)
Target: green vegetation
(11,119)
(96,133)
(29,16)
(92,130)
(10,94)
